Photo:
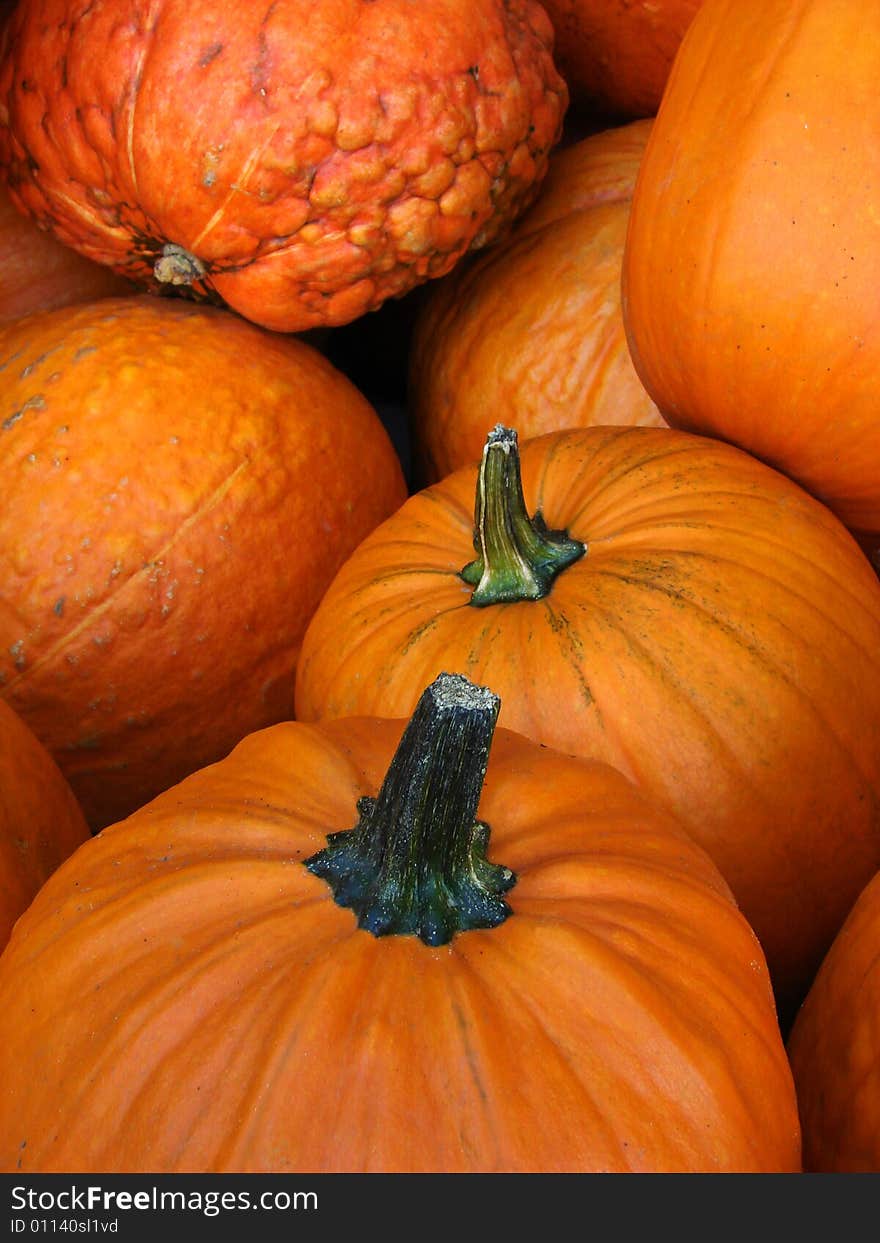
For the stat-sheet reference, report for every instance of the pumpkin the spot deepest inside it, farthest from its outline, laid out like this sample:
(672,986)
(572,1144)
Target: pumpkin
(312,956)
(179,487)
(41,822)
(533,327)
(616,55)
(834,1048)
(324,154)
(752,261)
(38,273)
(674,608)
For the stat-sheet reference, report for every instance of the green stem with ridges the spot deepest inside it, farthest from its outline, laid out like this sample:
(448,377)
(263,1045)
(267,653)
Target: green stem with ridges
(518,557)
(415,863)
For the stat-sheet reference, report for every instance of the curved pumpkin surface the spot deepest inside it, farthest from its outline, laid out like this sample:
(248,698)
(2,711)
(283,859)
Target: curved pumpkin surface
(753,257)
(834,1048)
(186,996)
(178,489)
(41,822)
(616,55)
(718,642)
(325,154)
(38,273)
(533,328)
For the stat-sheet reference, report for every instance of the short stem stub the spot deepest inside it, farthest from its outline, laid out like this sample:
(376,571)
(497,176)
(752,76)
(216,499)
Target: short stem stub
(518,557)
(176,266)
(416,863)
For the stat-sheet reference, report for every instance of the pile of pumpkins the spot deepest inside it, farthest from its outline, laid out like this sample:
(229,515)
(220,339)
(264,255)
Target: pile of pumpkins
(487,780)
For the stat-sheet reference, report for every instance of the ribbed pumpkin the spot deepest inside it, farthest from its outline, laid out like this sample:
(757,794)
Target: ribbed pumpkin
(178,488)
(324,154)
(753,257)
(834,1048)
(616,55)
(533,326)
(701,622)
(562,985)
(41,822)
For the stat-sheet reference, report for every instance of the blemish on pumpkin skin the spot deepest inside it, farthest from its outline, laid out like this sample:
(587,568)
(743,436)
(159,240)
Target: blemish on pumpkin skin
(37,402)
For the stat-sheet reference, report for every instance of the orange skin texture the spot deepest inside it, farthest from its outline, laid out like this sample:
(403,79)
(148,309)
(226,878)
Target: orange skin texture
(531,331)
(41,822)
(178,487)
(753,258)
(317,158)
(616,55)
(184,996)
(38,273)
(718,643)
(834,1048)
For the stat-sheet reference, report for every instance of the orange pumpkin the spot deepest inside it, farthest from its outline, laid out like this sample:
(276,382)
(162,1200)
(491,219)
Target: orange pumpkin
(324,154)
(753,256)
(41,822)
(533,326)
(835,1050)
(178,488)
(700,622)
(562,985)
(38,273)
(616,55)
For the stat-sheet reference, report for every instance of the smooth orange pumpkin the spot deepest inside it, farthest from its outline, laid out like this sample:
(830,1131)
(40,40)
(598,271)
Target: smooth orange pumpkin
(701,623)
(41,822)
(38,273)
(533,327)
(178,489)
(753,257)
(834,1048)
(616,55)
(564,984)
(324,154)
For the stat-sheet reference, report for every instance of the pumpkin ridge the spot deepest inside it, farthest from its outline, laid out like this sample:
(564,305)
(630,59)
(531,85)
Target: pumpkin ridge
(183,528)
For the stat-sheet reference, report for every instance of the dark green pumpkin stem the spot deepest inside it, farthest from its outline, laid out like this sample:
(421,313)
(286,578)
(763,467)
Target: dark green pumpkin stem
(518,558)
(416,863)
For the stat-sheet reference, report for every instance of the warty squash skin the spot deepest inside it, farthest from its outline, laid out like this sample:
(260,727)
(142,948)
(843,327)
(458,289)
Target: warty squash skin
(533,326)
(324,154)
(752,262)
(718,641)
(41,822)
(835,1051)
(615,55)
(178,488)
(186,996)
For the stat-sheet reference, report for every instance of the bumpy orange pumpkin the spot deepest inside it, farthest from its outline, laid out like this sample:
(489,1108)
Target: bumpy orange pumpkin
(41,822)
(562,985)
(834,1048)
(753,258)
(616,55)
(533,327)
(178,488)
(700,622)
(303,160)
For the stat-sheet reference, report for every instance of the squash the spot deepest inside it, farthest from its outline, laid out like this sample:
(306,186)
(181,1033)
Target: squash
(324,154)
(533,327)
(752,261)
(38,273)
(179,487)
(616,55)
(676,609)
(834,1048)
(41,822)
(237,979)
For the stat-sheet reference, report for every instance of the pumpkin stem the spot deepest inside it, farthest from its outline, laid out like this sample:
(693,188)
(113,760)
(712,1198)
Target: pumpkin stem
(177,266)
(416,863)
(518,557)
